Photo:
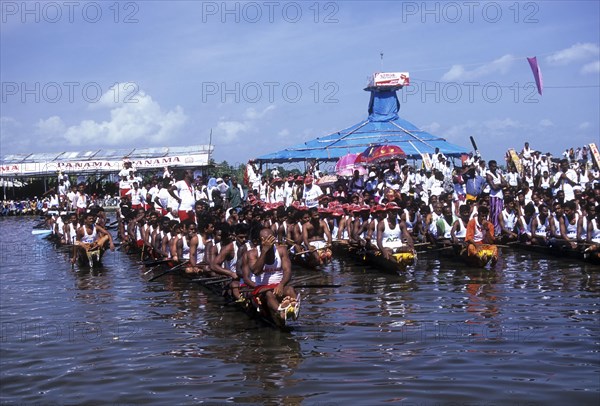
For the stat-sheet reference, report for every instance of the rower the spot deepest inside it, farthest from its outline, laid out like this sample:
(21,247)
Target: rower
(316,237)
(593,235)
(540,226)
(444,225)
(508,221)
(174,241)
(161,237)
(392,235)
(412,219)
(188,246)
(297,231)
(268,270)
(339,230)
(570,223)
(360,226)
(91,237)
(149,231)
(525,223)
(480,235)
(71,229)
(459,227)
(379,213)
(284,234)
(225,261)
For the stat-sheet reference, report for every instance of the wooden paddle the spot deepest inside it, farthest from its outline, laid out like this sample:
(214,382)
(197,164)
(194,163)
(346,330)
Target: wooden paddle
(293,282)
(317,249)
(220,280)
(210,278)
(156,262)
(176,267)
(73,257)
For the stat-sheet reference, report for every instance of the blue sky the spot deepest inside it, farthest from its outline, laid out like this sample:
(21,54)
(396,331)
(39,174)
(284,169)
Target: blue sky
(266,75)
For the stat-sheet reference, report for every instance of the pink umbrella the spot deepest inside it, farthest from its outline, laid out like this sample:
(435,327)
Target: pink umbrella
(347,165)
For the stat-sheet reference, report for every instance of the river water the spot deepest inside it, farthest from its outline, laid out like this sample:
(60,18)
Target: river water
(527,333)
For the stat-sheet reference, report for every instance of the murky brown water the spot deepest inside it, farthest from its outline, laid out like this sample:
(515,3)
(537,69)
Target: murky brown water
(528,333)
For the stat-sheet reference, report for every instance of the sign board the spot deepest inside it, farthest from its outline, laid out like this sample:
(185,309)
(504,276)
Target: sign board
(389,79)
(76,167)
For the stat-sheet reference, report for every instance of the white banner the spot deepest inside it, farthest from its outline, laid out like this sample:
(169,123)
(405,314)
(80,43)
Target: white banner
(74,167)
(384,79)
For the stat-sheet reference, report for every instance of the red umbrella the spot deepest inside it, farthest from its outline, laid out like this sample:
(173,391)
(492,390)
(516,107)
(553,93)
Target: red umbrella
(383,153)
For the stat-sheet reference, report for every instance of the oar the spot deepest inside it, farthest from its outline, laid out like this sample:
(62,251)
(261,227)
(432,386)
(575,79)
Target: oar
(154,267)
(168,271)
(436,249)
(156,262)
(304,278)
(317,249)
(293,282)
(317,286)
(73,257)
(210,278)
(220,280)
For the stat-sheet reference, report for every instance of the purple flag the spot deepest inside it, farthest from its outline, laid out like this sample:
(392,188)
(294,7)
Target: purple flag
(536,73)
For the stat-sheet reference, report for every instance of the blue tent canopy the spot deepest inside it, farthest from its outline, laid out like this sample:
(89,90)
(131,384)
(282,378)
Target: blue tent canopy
(383,127)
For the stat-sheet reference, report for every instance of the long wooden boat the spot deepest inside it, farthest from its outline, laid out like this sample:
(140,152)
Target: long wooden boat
(303,262)
(252,303)
(397,263)
(561,251)
(479,255)
(89,255)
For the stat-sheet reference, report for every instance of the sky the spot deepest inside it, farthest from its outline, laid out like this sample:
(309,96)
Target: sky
(256,77)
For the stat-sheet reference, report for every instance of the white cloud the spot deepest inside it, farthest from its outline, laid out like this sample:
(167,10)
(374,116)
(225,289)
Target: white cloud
(284,133)
(502,124)
(432,127)
(132,119)
(592,67)
(585,125)
(12,139)
(576,52)
(459,73)
(7,123)
(252,114)
(456,72)
(8,130)
(52,126)
(546,123)
(492,136)
(230,131)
